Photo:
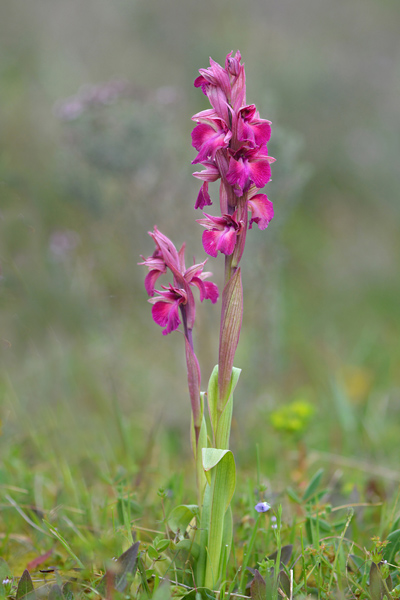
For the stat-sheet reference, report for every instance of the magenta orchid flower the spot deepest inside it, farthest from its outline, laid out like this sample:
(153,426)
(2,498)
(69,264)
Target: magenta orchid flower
(165,309)
(251,129)
(252,167)
(175,305)
(220,234)
(203,197)
(230,138)
(179,295)
(207,139)
(262,211)
(157,267)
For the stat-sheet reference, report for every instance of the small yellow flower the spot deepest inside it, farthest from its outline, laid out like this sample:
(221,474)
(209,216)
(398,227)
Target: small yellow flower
(293,417)
(357,382)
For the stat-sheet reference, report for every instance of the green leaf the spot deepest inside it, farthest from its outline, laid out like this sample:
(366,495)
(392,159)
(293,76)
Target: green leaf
(220,469)
(284,583)
(64,542)
(221,422)
(227,533)
(204,528)
(68,591)
(180,517)
(393,547)
(258,587)
(396,524)
(286,554)
(311,527)
(163,592)
(212,398)
(162,545)
(223,430)
(201,593)
(376,587)
(356,563)
(190,546)
(292,495)
(5,571)
(313,485)
(125,565)
(152,552)
(55,593)
(214,457)
(150,573)
(25,587)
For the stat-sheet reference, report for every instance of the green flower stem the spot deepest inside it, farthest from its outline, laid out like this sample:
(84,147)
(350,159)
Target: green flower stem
(198,443)
(220,470)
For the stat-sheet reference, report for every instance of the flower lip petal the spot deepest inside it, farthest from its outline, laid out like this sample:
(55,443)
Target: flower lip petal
(166,315)
(260,172)
(262,211)
(203,197)
(212,292)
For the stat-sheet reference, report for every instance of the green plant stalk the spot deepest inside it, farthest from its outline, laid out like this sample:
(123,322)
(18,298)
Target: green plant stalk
(64,542)
(221,419)
(204,526)
(219,466)
(202,442)
(216,516)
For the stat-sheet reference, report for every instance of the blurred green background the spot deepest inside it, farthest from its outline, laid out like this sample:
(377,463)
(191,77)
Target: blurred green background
(96,100)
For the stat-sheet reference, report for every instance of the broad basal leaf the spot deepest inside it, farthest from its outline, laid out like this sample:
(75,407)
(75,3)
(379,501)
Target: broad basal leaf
(258,587)
(25,587)
(125,565)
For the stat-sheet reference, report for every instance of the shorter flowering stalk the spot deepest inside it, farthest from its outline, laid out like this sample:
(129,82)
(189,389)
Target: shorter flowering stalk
(177,301)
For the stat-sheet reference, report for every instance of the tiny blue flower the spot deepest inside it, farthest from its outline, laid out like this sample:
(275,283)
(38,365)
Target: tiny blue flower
(262,507)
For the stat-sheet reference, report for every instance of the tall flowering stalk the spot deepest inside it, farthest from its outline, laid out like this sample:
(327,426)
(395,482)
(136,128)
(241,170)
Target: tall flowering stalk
(231,142)
(177,299)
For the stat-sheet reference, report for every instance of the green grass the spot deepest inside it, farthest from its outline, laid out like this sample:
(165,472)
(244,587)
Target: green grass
(87,511)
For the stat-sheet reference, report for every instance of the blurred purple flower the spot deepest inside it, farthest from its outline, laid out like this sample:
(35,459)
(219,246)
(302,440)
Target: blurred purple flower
(262,507)
(61,243)
(91,95)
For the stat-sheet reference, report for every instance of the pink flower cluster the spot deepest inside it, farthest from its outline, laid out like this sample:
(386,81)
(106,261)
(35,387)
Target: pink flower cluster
(177,297)
(231,141)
